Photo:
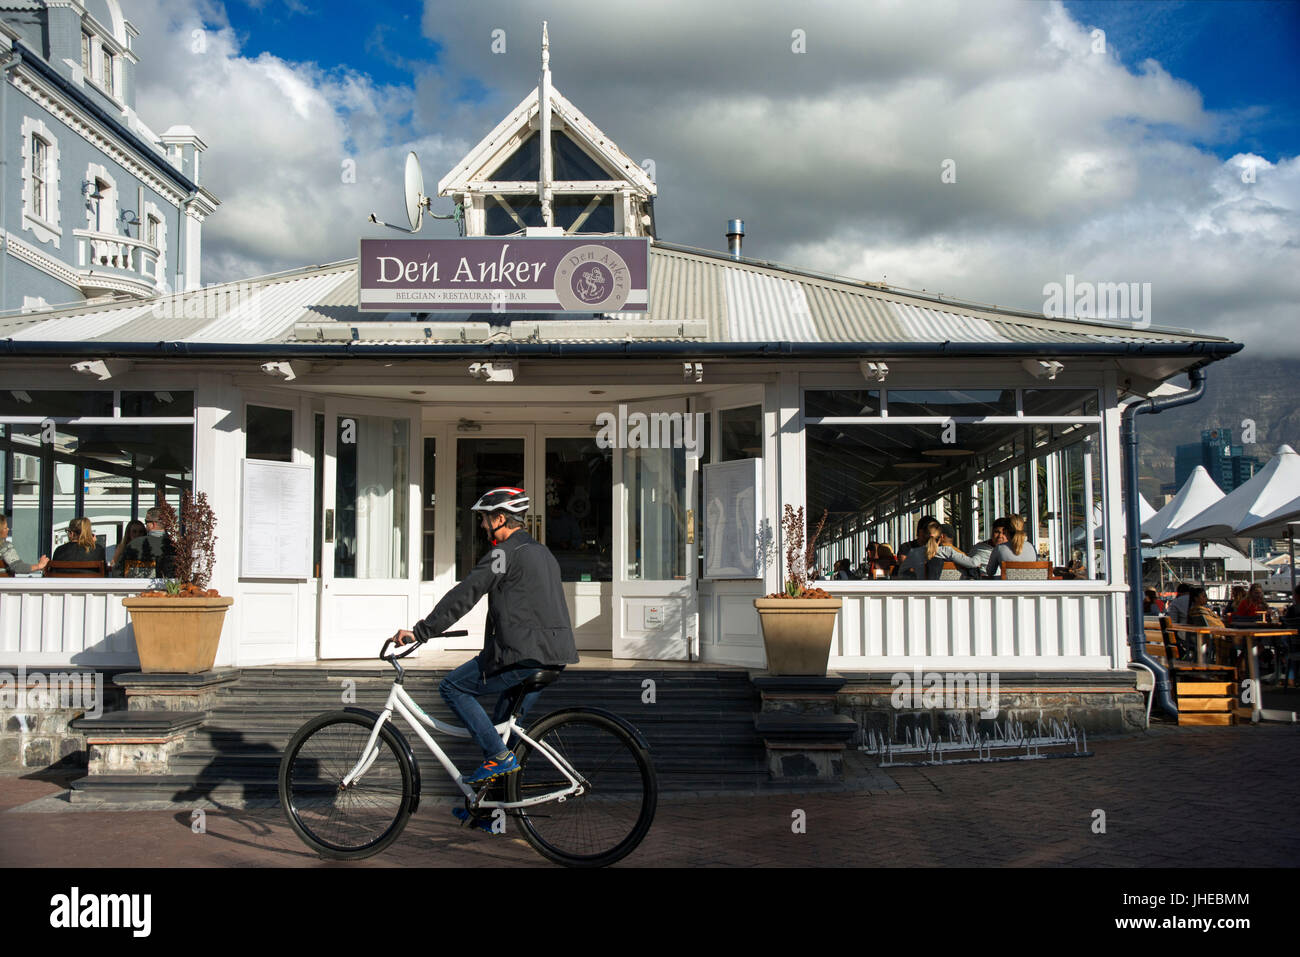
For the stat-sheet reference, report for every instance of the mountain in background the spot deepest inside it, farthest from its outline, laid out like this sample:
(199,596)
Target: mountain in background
(1241,387)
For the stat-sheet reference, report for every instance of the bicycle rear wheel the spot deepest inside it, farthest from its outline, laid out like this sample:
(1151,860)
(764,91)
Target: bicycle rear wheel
(369,814)
(610,818)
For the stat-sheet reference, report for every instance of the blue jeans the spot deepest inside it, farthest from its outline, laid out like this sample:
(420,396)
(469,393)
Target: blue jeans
(460,689)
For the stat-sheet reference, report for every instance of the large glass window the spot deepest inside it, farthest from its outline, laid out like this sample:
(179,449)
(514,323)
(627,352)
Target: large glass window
(427,508)
(874,480)
(111,470)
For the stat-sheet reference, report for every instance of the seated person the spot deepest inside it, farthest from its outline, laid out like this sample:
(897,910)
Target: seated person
(1230,606)
(153,546)
(1177,610)
(134,529)
(1015,549)
(81,545)
(926,561)
(1152,605)
(1254,605)
(842,571)
(886,562)
(921,536)
(1198,613)
(9,554)
(983,551)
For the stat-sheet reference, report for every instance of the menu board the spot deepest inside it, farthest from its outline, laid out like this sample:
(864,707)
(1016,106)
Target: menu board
(276,538)
(733,503)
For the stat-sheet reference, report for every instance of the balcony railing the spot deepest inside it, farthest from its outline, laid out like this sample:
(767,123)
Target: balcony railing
(110,261)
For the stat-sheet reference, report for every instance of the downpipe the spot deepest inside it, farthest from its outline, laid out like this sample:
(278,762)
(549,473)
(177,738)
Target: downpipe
(1133,531)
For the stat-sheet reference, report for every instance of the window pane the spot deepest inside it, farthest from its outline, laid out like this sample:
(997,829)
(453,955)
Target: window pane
(427,507)
(481,465)
(157,404)
(740,433)
(56,404)
(842,402)
(268,434)
(371,493)
(656,541)
(579,508)
(1060,401)
(952,402)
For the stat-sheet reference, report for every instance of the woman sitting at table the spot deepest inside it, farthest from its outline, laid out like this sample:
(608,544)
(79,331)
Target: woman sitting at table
(134,529)
(1253,605)
(926,560)
(1018,549)
(9,555)
(885,563)
(81,545)
(1230,606)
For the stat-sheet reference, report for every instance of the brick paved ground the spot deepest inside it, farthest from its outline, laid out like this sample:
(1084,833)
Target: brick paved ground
(1239,784)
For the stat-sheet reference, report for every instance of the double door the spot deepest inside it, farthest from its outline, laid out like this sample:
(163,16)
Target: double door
(615,519)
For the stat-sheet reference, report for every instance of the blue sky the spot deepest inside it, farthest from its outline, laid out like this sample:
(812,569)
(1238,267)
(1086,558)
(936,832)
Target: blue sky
(1171,159)
(1241,54)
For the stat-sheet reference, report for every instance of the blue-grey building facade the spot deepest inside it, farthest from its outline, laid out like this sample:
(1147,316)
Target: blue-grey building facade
(93,203)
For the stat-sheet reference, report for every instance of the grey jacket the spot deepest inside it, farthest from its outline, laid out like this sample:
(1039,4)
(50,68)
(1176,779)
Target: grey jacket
(527,622)
(9,555)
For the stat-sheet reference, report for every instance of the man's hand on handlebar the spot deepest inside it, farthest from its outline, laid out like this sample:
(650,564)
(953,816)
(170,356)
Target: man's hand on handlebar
(403,638)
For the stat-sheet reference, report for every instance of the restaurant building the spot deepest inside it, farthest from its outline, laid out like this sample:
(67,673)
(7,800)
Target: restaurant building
(341,447)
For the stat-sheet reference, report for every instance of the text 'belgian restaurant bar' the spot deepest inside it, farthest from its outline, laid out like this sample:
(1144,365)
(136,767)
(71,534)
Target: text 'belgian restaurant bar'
(661,404)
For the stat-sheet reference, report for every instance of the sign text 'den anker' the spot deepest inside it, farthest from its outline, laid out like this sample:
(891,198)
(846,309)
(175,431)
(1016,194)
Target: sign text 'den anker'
(504,274)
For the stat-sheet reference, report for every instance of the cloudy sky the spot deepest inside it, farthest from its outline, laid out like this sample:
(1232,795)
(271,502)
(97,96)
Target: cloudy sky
(1160,150)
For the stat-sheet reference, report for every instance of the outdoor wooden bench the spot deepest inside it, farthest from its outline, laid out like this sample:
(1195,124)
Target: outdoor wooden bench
(1204,694)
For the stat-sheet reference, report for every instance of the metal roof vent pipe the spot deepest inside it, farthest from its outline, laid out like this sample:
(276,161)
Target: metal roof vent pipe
(735,233)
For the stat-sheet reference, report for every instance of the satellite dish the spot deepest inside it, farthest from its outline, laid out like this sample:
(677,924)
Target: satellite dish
(416,201)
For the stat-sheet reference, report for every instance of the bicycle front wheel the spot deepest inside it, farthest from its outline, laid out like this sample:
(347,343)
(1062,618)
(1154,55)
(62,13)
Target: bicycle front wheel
(345,822)
(610,818)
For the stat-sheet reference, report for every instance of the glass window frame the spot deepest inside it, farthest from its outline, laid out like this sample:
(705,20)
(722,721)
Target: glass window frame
(897,522)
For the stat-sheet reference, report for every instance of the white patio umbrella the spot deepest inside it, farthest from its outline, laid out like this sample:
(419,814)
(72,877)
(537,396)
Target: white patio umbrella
(1278,523)
(1249,511)
(1198,493)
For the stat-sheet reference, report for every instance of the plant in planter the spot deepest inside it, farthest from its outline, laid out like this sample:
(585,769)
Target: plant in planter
(798,622)
(177,630)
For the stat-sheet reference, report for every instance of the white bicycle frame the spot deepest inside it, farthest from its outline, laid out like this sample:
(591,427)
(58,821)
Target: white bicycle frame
(403,704)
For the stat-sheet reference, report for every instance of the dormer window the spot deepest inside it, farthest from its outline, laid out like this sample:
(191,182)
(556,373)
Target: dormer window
(574,212)
(85,54)
(107,79)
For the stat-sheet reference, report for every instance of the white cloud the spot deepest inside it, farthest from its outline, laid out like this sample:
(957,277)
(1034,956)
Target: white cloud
(1066,160)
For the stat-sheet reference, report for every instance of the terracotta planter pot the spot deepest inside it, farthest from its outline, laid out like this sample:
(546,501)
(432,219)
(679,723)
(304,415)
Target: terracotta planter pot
(177,635)
(797,633)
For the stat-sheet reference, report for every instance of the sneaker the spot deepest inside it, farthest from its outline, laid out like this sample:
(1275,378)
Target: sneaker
(492,769)
(466,819)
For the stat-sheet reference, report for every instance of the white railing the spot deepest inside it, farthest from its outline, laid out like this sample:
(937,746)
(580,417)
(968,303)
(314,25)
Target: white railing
(134,258)
(66,621)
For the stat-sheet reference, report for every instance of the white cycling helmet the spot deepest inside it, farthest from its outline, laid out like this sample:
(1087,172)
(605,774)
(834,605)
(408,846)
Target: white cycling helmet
(507,498)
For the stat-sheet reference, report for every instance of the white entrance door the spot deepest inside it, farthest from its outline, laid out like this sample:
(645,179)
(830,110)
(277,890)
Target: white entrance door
(370,552)
(655,610)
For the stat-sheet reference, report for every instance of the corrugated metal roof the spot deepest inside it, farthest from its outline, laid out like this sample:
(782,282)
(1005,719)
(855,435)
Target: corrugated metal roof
(695,296)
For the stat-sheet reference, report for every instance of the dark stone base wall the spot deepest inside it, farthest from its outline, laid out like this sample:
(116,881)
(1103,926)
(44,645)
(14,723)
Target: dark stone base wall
(1095,710)
(35,736)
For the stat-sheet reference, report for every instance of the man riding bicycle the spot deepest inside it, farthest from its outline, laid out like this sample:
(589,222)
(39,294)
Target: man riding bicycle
(528,626)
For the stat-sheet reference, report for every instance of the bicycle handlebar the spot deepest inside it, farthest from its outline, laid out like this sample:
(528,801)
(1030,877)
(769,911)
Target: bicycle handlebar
(415,645)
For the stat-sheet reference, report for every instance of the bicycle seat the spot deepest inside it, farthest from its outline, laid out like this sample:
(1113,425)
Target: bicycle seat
(534,680)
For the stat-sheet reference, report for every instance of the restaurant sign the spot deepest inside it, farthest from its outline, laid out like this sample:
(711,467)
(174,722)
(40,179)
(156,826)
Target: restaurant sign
(505,274)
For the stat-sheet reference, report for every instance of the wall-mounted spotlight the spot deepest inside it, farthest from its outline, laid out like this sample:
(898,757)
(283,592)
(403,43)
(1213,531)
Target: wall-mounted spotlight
(1042,368)
(494,371)
(873,371)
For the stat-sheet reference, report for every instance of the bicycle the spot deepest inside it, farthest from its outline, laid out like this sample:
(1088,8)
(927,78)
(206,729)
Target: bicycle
(584,795)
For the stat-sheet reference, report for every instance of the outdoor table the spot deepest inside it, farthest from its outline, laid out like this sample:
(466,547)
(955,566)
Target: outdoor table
(1250,636)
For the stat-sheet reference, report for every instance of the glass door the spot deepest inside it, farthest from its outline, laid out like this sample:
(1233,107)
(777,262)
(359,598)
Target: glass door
(488,459)
(655,608)
(574,501)
(370,502)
